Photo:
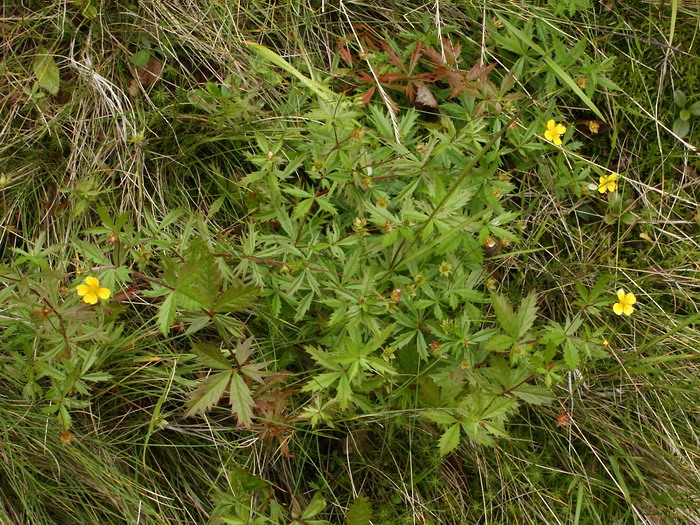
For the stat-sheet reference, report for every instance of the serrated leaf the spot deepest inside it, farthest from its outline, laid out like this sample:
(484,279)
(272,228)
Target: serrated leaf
(449,440)
(207,394)
(321,381)
(303,306)
(315,507)
(46,72)
(533,394)
(505,315)
(498,407)
(211,356)
(527,313)
(344,391)
(244,349)
(441,417)
(236,299)
(477,432)
(359,511)
(571,354)
(499,342)
(166,313)
(241,401)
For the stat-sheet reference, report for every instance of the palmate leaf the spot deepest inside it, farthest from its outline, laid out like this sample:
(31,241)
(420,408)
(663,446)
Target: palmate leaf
(208,393)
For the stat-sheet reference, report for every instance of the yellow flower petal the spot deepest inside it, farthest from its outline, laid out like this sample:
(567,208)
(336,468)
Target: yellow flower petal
(621,295)
(92,282)
(551,125)
(618,308)
(82,290)
(103,293)
(90,298)
(561,129)
(630,298)
(627,309)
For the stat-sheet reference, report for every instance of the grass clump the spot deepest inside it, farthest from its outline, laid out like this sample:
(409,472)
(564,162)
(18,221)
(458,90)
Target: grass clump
(308,263)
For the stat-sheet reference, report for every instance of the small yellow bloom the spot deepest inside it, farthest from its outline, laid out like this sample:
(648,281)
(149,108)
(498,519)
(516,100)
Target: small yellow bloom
(445,268)
(625,304)
(605,342)
(608,183)
(594,127)
(554,132)
(91,290)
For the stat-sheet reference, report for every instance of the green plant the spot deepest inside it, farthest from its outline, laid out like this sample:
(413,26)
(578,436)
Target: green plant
(681,126)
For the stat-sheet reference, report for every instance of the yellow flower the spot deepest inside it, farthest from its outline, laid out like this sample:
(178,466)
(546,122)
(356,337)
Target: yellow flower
(625,304)
(594,126)
(554,132)
(91,290)
(608,183)
(445,268)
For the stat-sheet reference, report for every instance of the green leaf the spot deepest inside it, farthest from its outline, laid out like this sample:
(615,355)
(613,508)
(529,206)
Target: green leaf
(211,356)
(681,127)
(315,507)
(505,315)
(344,392)
(499,342)
(140,58)
(535,395)
(449,440)
(680,99)
(46,71)
(166,313)
(241,401)
(359,511)
(236,299)
(303,306)
(208,393)
(571,354)
(695,109)
(321,381)
(441,417)
(526,314)
(498,407)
